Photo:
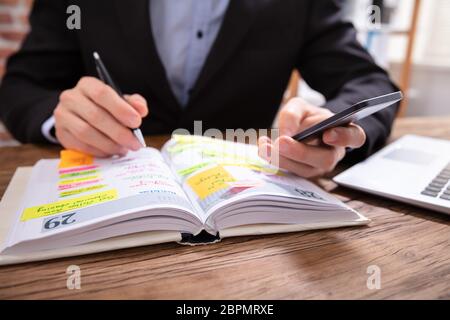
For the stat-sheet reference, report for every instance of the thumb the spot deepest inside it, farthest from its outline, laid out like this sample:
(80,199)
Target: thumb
(290,117)
(138,102)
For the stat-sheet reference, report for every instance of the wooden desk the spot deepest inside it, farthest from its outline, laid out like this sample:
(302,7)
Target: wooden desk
(410,245)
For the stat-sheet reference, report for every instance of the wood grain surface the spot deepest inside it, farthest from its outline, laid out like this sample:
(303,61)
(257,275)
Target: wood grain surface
(411,246)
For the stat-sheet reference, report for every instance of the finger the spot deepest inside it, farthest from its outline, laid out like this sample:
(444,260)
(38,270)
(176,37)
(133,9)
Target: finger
(87,134)
(291,116)
(103,121)
(299,169)
(321,157)
(352,136)
(265,148)
(70,142)
(104,96)
(264,139)
(139,103)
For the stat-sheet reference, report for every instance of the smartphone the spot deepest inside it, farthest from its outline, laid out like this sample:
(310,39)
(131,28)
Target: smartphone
(354,113)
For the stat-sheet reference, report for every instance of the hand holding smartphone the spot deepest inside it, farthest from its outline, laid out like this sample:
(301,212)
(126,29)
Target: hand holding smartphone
(356,112)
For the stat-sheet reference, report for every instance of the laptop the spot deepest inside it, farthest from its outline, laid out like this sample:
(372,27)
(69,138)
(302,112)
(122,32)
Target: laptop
(414,169)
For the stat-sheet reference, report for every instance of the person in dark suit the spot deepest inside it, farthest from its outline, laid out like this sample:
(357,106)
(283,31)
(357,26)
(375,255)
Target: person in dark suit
(225,62)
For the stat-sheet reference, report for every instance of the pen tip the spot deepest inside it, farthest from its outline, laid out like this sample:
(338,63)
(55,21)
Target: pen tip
(96,56)
(140,137)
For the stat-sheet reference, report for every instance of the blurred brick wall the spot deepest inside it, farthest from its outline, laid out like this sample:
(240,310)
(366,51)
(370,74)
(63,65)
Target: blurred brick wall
(13,27)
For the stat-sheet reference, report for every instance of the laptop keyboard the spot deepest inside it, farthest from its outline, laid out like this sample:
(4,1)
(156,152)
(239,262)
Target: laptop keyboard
(439,186)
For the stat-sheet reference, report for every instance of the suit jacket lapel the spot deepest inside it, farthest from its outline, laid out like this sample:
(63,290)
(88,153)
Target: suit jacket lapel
(235,25)
(134,17)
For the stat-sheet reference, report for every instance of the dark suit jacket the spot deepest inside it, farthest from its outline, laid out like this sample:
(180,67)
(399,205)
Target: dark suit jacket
(241,84)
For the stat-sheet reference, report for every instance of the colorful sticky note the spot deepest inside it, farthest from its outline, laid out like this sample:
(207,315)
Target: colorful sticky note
(68,205)
(78,179)
(77,169)
(81,190)
(77,184)
(192,169)
(210,181)
(72,158)
(77,174)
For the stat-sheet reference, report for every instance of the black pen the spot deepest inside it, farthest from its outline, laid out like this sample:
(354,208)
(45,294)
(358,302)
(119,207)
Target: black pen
(106,78)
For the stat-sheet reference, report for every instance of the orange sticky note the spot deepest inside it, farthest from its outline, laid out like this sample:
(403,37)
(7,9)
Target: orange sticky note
(72,158)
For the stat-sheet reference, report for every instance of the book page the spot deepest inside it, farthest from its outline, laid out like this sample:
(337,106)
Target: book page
(78,190)
(215,173)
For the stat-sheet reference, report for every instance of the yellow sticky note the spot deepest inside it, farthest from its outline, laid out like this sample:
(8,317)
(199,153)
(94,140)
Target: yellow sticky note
(72,158)
(68,205)
(75,180)
(82,190)
(209,181)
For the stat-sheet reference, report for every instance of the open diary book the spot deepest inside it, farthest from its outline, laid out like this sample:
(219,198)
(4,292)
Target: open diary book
(195,186)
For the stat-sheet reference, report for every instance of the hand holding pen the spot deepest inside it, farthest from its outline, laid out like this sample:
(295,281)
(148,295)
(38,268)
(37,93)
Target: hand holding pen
(106,78)
(94,118)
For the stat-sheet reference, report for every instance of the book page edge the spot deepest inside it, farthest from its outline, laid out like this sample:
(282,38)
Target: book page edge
(11,202)
(264,229)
